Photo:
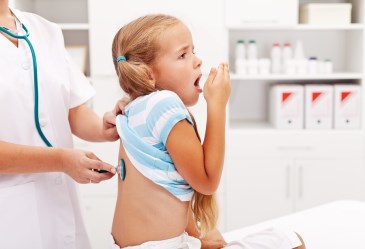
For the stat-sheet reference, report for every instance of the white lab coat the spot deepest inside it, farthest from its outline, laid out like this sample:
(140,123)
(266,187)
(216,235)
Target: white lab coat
(39,211)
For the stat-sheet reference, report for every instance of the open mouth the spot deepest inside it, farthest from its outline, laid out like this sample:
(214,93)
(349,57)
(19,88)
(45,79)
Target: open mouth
(196,84)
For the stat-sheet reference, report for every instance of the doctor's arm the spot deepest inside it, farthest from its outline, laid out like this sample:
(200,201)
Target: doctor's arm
(17,159)
(87,125)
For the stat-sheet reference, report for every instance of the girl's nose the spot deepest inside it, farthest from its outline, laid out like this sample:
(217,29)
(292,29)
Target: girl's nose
(198,62)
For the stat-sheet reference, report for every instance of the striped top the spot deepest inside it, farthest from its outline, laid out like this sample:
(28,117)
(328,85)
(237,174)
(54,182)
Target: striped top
(144,129)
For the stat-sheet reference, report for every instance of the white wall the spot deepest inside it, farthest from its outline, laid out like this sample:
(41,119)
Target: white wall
(204,17)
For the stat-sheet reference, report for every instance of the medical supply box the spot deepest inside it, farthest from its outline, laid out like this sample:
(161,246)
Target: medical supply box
(260,12)
(286,106)
(318,106)
(347,100)
(325,13)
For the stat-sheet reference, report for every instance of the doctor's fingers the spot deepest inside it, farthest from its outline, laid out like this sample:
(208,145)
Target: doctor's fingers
(95,177)
(120,105)
(94,163)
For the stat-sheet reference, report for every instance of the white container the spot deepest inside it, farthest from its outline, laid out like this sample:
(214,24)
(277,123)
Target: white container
(328,66)
(313,66)
(241,66)
(288,66)
(287,52)
(252,50)
(252,66)
(275,55)
(240,50)
(240,57)
(318,106)
(301,66)
(286,106)
(298,50)
(260,12)
(347,101)
(325,13)
(264,66)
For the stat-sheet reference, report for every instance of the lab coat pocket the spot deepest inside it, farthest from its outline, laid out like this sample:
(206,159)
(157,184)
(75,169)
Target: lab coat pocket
(19,226)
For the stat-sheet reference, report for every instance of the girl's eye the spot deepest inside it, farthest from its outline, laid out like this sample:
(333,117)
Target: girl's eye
(182,56)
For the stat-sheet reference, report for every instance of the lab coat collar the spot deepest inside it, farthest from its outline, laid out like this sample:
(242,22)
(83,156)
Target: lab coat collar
(18,14)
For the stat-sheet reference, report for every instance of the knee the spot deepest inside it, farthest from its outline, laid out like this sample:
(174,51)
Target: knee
(301,239)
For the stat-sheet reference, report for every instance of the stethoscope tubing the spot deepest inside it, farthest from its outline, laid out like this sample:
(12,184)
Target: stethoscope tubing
(35,79)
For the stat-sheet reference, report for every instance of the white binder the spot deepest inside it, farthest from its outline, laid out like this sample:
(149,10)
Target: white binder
(347,106)
(318,107)
(286,106)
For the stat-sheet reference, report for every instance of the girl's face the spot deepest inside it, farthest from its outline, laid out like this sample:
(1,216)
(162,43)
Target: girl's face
(177,68)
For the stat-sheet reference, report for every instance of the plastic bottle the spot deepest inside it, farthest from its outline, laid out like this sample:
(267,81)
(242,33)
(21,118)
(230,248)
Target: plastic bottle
(300,61)
(312,65)
(328,66)
(252,50)
(275,55)
(299,51)
(240,52)
(240,57)
(288,61)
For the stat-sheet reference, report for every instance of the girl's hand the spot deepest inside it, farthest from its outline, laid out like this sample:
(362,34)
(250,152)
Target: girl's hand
(82,165)
(217,88)
(213,240)
(212,244)
(109,129)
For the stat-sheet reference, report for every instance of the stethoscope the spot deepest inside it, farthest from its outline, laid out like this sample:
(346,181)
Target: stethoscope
(35,77)
(120,168)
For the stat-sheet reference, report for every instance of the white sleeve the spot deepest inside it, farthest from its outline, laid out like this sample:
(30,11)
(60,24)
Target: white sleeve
(80,88)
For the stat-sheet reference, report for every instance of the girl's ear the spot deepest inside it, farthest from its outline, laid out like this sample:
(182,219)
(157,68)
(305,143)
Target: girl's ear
(151,76)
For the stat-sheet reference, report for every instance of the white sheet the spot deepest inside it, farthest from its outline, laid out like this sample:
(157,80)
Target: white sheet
(337,225)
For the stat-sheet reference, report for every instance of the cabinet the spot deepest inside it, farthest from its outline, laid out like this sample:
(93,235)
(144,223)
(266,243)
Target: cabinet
(261,189)
(343,44)
(272,172)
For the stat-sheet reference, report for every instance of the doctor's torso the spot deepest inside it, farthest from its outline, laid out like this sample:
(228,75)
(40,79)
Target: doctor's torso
(17,87)
(38,210)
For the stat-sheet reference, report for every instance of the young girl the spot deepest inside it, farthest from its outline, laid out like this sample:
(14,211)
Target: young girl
(167,177)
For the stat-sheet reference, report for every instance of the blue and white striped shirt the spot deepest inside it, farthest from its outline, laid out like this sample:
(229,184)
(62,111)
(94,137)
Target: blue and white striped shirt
(144,129)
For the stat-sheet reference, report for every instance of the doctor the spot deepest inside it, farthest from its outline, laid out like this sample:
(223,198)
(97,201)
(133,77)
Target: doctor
(39,206)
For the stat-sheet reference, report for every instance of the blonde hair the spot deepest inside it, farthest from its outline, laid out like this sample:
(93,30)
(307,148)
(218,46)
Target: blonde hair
(138,41)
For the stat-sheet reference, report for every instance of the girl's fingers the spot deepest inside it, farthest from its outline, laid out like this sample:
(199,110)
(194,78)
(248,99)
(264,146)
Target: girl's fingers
(211,76)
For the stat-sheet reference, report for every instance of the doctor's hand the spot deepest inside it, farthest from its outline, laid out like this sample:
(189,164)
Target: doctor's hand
(109,129)
(82,165)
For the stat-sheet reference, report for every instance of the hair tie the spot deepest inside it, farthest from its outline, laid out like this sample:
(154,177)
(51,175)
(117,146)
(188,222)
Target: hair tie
(120,58)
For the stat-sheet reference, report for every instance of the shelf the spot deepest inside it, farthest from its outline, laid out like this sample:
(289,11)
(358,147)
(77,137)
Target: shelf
(334,76)
(353,26)
(266,127)
(74,26)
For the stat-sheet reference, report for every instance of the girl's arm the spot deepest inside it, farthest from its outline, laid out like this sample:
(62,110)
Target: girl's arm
(201,165)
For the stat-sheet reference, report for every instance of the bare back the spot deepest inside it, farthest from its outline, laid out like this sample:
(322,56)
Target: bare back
(145,211)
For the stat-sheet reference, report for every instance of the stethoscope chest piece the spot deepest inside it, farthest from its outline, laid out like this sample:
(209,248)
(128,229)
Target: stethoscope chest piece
(121,169)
